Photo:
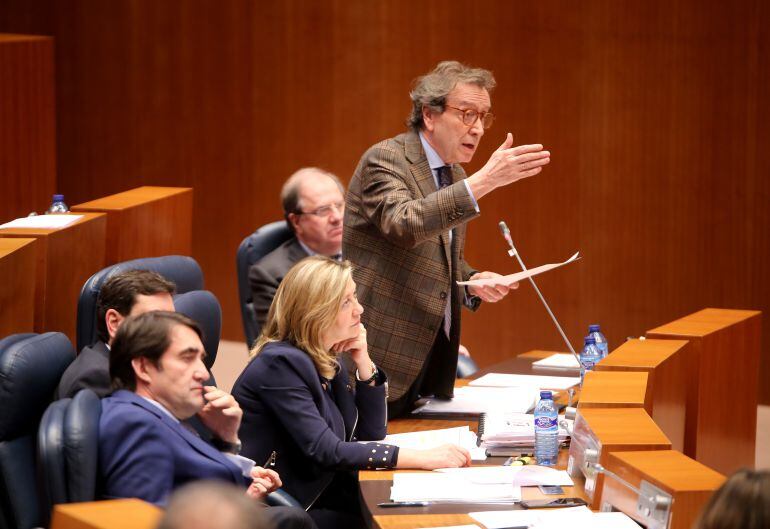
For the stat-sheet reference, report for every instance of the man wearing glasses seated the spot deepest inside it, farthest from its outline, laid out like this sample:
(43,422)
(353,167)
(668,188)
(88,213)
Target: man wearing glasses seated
(406,211)
(313,206)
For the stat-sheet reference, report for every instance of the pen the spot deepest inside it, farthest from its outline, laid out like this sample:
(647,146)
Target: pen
(270,463)
(404,504)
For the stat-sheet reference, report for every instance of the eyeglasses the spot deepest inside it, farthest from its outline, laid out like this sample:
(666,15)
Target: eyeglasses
(470,116)
(324,211)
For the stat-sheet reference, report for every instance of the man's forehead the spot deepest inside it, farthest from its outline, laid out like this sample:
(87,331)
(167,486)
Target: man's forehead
(183,339)
(465,94)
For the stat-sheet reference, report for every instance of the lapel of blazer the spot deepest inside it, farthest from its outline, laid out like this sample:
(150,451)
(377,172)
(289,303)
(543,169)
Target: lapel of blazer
(425,179)
(295,251)
(195,442)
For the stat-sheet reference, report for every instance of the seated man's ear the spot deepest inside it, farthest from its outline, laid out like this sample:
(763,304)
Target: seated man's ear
(140,366)
(113,319)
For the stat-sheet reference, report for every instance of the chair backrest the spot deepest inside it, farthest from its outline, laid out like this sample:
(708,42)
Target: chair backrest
(182,270)
(203,307)
(466,366)
(67,444)
(30,368)
(253,248)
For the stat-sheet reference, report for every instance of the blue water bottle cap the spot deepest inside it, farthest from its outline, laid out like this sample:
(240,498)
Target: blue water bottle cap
(594,327)
(546,395)
(58,198)
(590,340)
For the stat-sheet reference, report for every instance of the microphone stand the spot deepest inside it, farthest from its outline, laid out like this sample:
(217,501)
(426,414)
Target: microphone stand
(513,253)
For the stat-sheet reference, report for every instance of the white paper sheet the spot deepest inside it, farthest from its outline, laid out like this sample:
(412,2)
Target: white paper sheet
(425,440)
(471,400)
(48,222)
(507,380)
(511,429)
(515,278)
(447,488)
(523,476)
(531,518)
(558,361)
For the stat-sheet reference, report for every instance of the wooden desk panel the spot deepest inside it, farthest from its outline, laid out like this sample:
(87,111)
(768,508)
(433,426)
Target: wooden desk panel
(107,514)
(666,364)
(605,389)
(66,258)
(721,413)
(145,222)
(27,124)
(17,286)
(688,482)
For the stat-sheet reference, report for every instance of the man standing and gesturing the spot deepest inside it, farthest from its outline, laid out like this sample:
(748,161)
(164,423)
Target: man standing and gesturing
(404,230)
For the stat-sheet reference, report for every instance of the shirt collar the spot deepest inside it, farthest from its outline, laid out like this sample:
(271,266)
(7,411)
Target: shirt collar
(161,407)
(434,160)
(306,247)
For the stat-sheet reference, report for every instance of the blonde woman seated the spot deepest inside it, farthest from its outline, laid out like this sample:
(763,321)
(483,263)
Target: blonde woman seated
(298,401)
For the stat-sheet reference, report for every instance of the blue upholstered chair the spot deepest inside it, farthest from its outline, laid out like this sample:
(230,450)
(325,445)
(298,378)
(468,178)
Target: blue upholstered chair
(466,367)
(184,271)
(30,368)
(68,441)
(203,307)
(253,248)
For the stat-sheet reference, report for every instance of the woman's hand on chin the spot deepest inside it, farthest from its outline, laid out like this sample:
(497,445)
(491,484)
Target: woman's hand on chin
(357,348)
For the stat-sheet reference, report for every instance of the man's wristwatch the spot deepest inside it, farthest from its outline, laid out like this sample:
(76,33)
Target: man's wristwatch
(226,446)
(371,378)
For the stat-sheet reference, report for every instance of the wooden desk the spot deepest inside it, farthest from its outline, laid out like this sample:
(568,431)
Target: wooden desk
(106,514)
(17,286)
(66,258)
(722,394)
(668,375)
(375,485)
(606,389)
(145,222)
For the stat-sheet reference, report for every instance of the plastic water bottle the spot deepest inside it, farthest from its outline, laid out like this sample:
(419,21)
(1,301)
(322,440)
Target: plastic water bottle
(589,355)
(57,205)
(546,430)
(601,341)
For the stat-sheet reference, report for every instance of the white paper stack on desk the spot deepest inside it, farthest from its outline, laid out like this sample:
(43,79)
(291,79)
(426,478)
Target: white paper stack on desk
(471,400)
(510,430)
(509,380)
(449,488)
(524,476)
(574,518)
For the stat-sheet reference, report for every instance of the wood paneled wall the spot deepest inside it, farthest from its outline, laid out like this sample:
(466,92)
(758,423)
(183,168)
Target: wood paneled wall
(656,114)
(27,125)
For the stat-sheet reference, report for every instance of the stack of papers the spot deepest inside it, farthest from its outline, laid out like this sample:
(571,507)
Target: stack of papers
(522,476)
(47,222)
(510,430)
(449,488)
(472,400)
(506,380)
(558,361)
(574,518)
(460,436)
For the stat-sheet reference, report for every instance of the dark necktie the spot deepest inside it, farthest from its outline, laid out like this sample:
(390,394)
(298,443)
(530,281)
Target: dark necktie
(444,176)
(444,180)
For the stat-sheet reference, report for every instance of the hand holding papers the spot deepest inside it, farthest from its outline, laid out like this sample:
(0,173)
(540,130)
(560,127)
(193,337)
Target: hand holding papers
(515,278)
(461,436)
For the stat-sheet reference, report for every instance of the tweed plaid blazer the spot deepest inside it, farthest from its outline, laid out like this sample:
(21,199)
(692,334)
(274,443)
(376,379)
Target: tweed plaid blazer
(397,237)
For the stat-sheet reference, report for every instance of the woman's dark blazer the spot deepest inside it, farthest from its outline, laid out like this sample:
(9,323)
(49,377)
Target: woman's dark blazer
(309,422)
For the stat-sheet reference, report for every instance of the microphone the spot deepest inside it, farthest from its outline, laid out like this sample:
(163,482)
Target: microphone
(513,253)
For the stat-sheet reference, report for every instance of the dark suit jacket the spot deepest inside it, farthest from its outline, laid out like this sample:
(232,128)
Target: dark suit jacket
(397,237)
(144,453)
(266,274)
(91,369)
(286,409)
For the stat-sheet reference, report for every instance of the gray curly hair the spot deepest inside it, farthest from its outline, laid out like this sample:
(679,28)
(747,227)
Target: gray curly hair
(432,89)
